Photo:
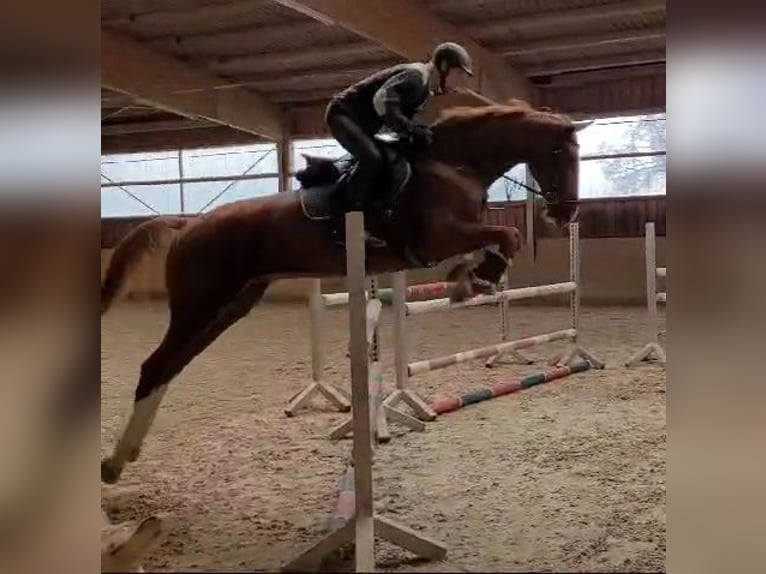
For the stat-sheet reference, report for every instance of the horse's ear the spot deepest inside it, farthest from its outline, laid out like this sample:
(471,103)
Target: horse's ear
(581,125)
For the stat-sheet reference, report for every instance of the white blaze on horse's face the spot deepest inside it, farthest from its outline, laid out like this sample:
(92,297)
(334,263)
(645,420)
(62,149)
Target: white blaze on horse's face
(556,171)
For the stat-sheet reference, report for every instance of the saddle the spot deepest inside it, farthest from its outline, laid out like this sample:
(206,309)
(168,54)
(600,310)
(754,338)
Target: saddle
(323,186)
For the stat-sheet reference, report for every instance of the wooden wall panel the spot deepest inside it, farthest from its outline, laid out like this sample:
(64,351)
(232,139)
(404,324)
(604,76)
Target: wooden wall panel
(618,96)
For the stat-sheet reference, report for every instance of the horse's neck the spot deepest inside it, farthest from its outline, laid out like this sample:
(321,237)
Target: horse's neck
(478,152)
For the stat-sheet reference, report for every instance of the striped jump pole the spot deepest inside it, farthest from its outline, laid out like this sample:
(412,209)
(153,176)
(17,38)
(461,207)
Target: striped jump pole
(447,405)
(488,351)
(422,292)
(653,350)
(344,506)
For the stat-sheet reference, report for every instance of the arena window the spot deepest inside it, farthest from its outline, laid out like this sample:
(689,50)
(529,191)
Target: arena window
(186,181)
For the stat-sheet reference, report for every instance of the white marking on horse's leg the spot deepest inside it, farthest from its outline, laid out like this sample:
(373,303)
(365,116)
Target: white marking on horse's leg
(129,445)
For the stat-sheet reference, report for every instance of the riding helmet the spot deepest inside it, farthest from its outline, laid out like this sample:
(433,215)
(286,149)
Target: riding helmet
(454,55)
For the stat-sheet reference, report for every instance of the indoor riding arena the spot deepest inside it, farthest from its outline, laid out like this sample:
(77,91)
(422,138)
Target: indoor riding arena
(520,429)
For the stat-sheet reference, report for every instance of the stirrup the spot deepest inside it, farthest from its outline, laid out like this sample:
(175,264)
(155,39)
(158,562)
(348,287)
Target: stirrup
(373,242)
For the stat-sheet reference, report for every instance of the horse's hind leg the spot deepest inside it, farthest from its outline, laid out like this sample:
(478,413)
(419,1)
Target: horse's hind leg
(190,332)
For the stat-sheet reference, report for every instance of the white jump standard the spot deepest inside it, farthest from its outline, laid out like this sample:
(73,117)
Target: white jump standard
(653,349)
(334,396)
(382,412)
(365,524)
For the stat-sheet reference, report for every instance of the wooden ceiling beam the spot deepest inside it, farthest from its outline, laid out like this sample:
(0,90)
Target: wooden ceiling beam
(412,30)
(124,128)
(254,40)
(200,17)
(356,53)
(129,67)
(176,139)
(311,79)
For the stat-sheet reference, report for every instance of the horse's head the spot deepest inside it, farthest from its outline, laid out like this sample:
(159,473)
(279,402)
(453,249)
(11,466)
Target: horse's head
(554,163)
(493,138)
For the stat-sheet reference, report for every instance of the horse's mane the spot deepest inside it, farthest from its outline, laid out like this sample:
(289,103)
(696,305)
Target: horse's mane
(460,117)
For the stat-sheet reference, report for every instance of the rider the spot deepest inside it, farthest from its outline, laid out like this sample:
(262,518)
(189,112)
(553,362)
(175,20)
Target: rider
(390,98)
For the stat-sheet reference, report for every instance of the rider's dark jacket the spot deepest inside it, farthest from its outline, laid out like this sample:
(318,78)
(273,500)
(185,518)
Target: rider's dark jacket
(390,97)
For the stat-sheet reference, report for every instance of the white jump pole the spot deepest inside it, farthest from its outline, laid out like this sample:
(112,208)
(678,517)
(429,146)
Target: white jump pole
(333,395)
(653,349)
(365,524)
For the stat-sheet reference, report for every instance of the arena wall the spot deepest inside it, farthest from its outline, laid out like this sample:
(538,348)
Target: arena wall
(612,273)
(612,254)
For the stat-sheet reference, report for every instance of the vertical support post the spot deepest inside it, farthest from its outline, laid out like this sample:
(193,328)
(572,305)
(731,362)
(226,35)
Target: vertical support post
(284,151)
(530,208)
(651,281)
(505,330)
(363,523)
(181,180)
(372,285)
(653,349)
(574,305)
(504,327)
(377,413)
(360,396)
(574,274)
(316,320)
(401,357)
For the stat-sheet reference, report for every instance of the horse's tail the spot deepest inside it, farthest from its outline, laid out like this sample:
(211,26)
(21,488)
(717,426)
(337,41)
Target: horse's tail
(142,241)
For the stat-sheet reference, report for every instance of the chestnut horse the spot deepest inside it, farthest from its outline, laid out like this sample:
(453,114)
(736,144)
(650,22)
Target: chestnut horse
(219,264)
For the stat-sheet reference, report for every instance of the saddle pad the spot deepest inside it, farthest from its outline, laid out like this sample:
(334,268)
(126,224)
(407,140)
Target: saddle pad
(320,202)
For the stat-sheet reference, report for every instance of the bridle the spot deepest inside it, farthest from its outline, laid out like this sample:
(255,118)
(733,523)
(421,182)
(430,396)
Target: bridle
(551,196)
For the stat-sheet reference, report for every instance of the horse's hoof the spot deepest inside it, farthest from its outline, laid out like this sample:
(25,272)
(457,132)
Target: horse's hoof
(483,287)
(134,454)
(110,473)
(460,292)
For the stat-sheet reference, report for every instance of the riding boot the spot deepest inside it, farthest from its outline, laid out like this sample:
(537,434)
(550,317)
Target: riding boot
(355,199)
(358,191)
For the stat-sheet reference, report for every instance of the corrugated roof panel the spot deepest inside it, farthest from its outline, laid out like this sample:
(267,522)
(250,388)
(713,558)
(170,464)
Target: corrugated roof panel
(112,9)
(206,19)
(259,40)
(470,11)
(350,55)
(587,52)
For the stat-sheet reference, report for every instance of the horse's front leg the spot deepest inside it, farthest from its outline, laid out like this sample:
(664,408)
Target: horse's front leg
(498,257)
(500,244)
